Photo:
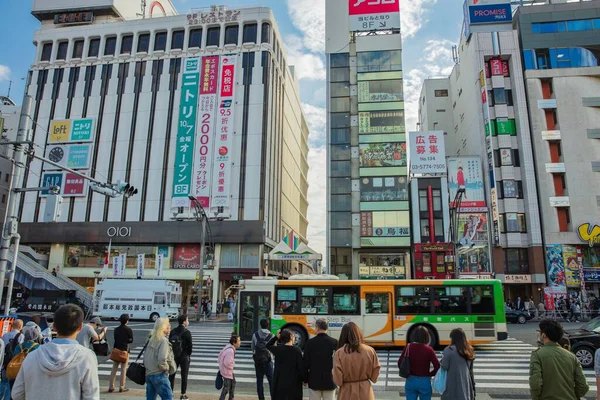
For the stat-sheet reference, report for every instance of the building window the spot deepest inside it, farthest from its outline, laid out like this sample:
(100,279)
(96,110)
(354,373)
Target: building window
(341,168)
(177,39)
(265,34)
(339,152)
(61,52)
(578,26)
(509,97)
(340,185)
(341,203)
(380,91)
(509,189)
(340,104)
(516,261)
(515,223)
(94,49)
(341,237)
(231,34)
(340,120)
(6,177)
(213,36)
(441,93)
(340,136)
(78,48)
(250,32)
(376,61)
(564,219)
(46,52)
(499,96)
(110,46)
(437,200)
(339,60)
(160,41)
(126,44)
(339,74)
(230,256)
(249,256)
(195,38)
(143,43)
(341,220)
(339,89)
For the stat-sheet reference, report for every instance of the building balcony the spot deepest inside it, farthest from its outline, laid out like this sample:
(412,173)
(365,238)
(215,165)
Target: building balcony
(560,201)
(546,104)
(553,168)
(551,135)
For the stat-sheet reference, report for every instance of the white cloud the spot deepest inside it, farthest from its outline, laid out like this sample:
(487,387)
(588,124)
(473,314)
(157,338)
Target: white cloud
(317,121)
(5,73)
(308,16)
(412,15)
(317,198)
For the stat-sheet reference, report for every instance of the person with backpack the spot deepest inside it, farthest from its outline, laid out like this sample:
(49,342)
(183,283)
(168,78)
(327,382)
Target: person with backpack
(263,362)
(318,363)
(181,342)
(31,341)
(11,341)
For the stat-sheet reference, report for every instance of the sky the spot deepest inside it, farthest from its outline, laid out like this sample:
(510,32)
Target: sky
(429,28)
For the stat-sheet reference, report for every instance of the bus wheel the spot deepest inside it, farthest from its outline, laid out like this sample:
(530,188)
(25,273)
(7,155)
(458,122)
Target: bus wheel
(299,334)
(432,336)
(154,316)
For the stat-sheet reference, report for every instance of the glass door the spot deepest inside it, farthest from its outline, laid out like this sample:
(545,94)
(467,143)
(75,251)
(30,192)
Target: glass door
(254,306)
(377,315)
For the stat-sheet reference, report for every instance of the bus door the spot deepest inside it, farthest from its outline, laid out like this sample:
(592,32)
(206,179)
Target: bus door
(377,314)
(253,307)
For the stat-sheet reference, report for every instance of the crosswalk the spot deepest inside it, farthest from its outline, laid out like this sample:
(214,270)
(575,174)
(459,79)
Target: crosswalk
(500,367)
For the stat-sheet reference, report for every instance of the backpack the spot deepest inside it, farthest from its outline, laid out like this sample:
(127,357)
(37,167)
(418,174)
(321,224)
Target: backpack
(175,340)
(9,350)
(14,366)
(262,355)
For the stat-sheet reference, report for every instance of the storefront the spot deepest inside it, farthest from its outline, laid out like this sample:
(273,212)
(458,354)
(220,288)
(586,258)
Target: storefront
(516,286)
(384,266)
(472,250)
(434,261)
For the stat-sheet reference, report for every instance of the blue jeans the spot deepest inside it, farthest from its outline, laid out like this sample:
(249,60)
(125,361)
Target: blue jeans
(261,372)
(418,387)
(158,385)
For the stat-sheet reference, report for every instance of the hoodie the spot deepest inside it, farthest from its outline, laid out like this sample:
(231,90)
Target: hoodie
(264,335)
(227,361)
(63,368)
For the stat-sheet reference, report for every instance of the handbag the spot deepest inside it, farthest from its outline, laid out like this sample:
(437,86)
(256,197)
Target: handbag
(116,355)
(14,365)
(101,348)
(136,371)
(219,381)
(439,381)
(405,364)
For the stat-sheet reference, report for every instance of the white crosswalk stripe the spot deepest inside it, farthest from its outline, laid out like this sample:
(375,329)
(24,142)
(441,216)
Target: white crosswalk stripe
(499,365)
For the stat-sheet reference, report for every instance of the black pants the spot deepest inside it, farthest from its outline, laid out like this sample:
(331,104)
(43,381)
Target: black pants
(183,362)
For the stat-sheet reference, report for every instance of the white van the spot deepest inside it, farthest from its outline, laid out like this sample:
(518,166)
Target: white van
(140,298)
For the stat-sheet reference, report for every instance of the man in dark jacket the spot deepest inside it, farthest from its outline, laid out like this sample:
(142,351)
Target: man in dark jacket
(181,341)
(318,363)
(263,362)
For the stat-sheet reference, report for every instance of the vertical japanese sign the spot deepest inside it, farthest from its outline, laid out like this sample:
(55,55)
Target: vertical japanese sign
(141,260)
(581,274)
(224,138)
(209,71)
(427,153)
(184,160)
(116,266)
(123,264)
(159,264)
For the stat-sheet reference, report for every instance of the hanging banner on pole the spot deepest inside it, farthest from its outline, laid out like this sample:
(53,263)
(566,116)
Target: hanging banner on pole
(116,267)
(159,264)
(224,138)
(107,259)
(123,264)
(140,266)
(209,71)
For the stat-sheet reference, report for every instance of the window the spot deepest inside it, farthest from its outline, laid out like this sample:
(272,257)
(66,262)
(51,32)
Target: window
(315,300)
(516,261)
(265,34)
(499,96)
(230,256)
(515,223)
(340,120)
(341,202)
(340,152)
(386,188)
(509,189)
(339,89)
(46,52)
(160,41)
(339,60)
(345,300)
(249,256)
(505,157)
(377,303)
(501,223)
(3,198)
(581,25)
(341,238)
(195,38)
(94,49)
(177,39)
(437,200)
(441,93)
(413,300)
(450,300)
(339,75)
(341,220)
(375,61)
(490,98)
(340,136)
(78,48)
(340,104)
(249,34)
(564,219)
(509,97)
(61,52)
(482,300)
(143,43)
(126,44)
(423,201)
(231,34)
(516,159)
(380,91)
(286,301)
(340,168)
(110,46)
(213,36)
(340,185)
(381,122)
(6,177)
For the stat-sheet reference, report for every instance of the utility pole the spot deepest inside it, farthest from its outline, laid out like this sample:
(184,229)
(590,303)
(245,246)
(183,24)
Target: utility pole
(204,219)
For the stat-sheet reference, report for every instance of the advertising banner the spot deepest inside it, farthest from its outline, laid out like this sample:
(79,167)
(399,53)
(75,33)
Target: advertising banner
(386,188)
(381,122)
(548,299)
(224,138)
(427,153)
(116,266)
(490,13)
(472,228)
(556,269)
(186,130)
(209,70)
(71,185)
(373,15)
(141,260)
(382,155)
(385,224)
(379,91)
(465,173)
(73,156)
(186,256)
(122,264)
(159,265)
(71,130)
(569,254)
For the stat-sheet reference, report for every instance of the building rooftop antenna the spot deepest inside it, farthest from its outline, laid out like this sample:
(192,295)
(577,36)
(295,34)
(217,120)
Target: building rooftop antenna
(143,8)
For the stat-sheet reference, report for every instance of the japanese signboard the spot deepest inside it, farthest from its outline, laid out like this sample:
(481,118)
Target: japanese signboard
(427,153)
(385,188)
(465,173)
(186,257)
(74,156)
(517,278)
(141,260)
(382,155)
(224,137)
(212,17)
(366,224)
(117,266)
(556,269)
(209,69)
(569,254)
(380,121)
(373,15)
(159,264)
(71,130)
(589,234)
(184,160)
(71,185)
(122,264)
(379,91)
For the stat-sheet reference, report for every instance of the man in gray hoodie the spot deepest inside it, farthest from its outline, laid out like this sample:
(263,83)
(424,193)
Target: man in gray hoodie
(61,369)
(263,361)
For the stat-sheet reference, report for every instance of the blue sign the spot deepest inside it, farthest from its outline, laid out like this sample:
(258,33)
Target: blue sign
(490,14)
(52,179)
(466,21)
(591,275)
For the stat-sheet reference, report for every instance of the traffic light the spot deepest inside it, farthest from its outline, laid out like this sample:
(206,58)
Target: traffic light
(52,210)
(126,189)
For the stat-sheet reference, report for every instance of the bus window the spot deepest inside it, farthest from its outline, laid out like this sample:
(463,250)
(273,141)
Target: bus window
(377,303)
(345,300)
(287,301)
(413,300)
(315,300)
(482,300)
(450,300)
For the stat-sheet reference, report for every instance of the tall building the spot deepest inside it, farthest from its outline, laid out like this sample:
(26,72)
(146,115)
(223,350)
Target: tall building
(435,110)
(368,203)
(560,45)
(9,124)
(202,105)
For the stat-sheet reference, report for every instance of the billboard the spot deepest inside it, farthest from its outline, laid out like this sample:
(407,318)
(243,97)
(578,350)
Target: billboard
(382,155)
(387,188)
(71,185)
(465,173)
(71,130)
(427,153)
(73,156)
(204,142)
(384,224)
(374,15)
(381,122)
(569,254)
(472,228)
(224,139)
(556,269)
(186,129)
(186,256)
(500,12)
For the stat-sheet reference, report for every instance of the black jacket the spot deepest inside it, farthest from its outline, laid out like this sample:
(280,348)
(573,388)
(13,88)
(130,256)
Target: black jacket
(123,336)
(318,362)
(186,339)
(288,376)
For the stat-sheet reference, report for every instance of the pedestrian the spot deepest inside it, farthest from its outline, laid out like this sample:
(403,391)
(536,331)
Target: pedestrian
(519,304)
(422,358)
(90,333)
(318,363)
(54,271)
(263,362)
(123,336)
(597,371)
(555,373)
(289,370)
(576,310)
(457,361)
(17,327)
(31,341)
(159,361)
(226,365)
(541,310)
(181,343)
(62,368)
(355,365)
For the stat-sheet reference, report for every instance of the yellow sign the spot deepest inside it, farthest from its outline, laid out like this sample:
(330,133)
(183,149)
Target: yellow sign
(589,234)
(59,131)
(481,78)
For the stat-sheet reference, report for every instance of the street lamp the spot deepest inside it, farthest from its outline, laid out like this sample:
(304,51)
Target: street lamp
(200,214)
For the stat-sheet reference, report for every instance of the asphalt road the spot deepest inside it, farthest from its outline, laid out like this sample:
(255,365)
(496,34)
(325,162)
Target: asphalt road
(527,331)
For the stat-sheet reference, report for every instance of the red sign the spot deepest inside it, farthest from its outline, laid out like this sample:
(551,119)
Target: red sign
(209,71)
(74,185)
(227,80)
(484,96)
(549,299)
(360,7)
(366,224)
(186,256)
(496,66)
(505,70)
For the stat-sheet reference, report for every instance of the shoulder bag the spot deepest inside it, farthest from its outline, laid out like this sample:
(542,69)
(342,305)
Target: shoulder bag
(405,364)
(101,348)
(136,371)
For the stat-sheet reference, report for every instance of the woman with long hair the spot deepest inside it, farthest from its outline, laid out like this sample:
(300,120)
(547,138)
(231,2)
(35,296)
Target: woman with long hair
(457,361)
(289,370)
(159,361)
(355,365)
(123,337)
(422,358)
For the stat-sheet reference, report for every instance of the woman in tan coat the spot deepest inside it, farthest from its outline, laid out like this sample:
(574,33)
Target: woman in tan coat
(355,366)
